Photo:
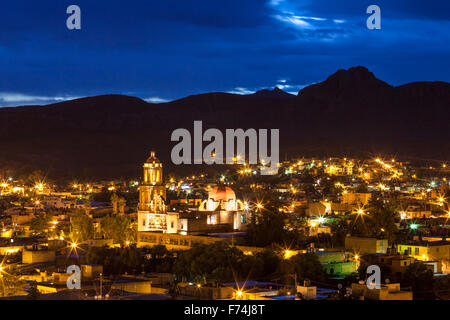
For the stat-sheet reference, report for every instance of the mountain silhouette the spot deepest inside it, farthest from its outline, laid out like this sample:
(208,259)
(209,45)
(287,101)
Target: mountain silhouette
(274,93)
(351,113)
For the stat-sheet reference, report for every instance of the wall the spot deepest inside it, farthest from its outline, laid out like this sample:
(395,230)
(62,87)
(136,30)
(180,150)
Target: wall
(38,256)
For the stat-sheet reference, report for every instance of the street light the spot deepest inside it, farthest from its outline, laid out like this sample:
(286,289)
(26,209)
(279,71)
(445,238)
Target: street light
(413,226)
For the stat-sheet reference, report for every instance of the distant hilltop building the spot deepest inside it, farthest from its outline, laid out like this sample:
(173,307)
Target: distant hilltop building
(222,212)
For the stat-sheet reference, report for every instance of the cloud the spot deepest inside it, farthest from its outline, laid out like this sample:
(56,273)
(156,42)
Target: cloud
(20,99)
(156,100)
(275,2)
(310,18)
(282,84)
(240,90)
(308,24)
(294,21)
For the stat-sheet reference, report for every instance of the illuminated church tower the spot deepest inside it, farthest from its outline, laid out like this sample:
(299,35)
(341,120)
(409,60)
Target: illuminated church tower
(152,193)
(152,215)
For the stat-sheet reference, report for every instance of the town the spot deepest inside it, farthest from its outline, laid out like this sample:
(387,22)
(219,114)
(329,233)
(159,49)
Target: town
(309,232)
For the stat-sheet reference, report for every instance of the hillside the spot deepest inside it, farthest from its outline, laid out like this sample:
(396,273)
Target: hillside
(350,113)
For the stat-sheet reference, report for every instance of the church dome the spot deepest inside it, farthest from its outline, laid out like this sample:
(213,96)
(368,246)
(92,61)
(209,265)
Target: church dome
(152,158)
(222,193)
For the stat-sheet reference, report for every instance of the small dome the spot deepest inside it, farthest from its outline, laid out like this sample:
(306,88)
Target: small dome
(152,158)
(223,193)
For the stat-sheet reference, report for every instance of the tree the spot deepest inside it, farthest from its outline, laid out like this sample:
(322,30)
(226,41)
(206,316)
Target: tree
(382,218)
(377,221)
(266,264)
(217,263)
(118,228)
(39,225)
(442,287)
(130,257)
(159,251)
(339,230)
(421,279)
(307,266)
(268,226)
(82,226)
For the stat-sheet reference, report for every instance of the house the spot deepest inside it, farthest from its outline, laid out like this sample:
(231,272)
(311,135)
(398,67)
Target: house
(337,263)
(362,245)
(428,251)
(355,198)
(388,291)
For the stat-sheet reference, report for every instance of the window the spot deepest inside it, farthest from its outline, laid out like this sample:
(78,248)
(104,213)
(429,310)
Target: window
(213,219)
(416,251)
(146,238)
(171,224)
(409,250)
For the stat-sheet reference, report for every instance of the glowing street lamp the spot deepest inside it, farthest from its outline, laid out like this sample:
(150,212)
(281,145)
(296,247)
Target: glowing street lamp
(74,245)
(360,211)
(321,220)
(287,254)
(413,226)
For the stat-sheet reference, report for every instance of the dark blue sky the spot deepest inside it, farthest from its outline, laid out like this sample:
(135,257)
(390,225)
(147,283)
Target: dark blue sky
(167,49)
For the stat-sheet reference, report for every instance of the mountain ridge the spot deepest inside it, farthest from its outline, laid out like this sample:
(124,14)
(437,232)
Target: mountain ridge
(349,113)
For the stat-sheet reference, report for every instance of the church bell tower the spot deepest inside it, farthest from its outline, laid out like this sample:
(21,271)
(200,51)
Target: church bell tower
(152,197)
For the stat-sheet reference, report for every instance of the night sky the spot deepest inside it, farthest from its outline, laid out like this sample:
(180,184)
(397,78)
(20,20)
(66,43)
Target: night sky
(164,50)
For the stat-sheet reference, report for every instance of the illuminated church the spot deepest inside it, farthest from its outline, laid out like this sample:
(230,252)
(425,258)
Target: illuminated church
(152,211)
(222,212)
